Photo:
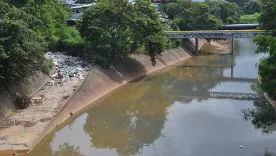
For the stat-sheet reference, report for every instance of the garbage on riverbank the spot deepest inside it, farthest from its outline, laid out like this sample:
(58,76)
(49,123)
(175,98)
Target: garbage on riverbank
(67,68)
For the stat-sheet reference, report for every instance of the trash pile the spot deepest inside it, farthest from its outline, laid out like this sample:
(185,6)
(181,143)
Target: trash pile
(67,68)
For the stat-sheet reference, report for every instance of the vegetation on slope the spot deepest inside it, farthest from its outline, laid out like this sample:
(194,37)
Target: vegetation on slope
(250,19)
(267,44)
(21,48)
(113,29)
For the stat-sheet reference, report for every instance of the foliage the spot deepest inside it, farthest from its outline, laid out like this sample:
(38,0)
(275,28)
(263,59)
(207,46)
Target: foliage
(51,13)
(71,42)
(240,3)
(252,6)
(22,102)
(191,15)
(267,44)
(250,19)
(267,17)
(113,29)
(21,48)
(47,65)
(263,116)
(229,13)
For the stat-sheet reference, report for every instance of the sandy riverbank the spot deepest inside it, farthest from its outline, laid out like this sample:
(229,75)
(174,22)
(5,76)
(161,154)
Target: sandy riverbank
(20,138)
(220,46)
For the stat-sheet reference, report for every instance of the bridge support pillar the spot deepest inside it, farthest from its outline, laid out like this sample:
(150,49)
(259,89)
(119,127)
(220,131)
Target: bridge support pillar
(232,46)
(196,46)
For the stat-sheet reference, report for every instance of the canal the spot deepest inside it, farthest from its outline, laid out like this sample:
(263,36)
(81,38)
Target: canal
(196,108)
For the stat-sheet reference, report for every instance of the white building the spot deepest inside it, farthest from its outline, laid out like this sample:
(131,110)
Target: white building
(78,10)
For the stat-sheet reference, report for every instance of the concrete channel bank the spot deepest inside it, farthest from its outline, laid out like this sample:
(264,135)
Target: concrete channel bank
(98,83)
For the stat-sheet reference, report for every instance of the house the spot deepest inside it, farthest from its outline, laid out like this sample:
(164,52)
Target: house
(78,10)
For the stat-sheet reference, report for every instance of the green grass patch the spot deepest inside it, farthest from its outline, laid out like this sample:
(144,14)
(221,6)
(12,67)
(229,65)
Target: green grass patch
(250,19)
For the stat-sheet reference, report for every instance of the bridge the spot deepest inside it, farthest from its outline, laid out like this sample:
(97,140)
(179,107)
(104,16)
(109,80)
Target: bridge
(215,34)
(219,34)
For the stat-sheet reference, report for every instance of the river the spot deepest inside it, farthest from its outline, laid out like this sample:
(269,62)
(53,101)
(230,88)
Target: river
(191,109)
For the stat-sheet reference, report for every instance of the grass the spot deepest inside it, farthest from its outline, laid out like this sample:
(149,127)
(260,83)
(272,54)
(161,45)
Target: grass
(250,19)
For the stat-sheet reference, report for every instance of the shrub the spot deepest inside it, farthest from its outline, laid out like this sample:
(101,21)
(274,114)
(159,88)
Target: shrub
(47,65)
(22,102)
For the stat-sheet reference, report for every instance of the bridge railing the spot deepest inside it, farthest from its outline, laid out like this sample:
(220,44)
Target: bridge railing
(222,34)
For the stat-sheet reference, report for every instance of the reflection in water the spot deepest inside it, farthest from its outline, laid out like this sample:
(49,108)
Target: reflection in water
(174,112)
(67,149)
(263,116)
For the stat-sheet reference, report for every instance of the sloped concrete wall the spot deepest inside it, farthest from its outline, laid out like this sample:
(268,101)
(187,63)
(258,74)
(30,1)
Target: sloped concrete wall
(27,86)
(101,81)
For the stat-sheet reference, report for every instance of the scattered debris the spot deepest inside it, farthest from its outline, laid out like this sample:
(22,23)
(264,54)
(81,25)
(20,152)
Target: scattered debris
(67,68)
(45,119)
(37,100)
(9,123)
(66,97)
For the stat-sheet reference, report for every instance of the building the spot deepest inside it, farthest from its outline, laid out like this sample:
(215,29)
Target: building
(78,10)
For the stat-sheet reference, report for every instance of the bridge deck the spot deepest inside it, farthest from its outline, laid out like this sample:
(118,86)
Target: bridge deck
(222,34)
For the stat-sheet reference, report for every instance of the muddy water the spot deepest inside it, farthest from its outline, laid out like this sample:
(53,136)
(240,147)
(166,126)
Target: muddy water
(192,109)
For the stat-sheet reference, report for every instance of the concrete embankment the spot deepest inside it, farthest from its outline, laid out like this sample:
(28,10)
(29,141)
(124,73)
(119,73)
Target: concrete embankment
(98,83)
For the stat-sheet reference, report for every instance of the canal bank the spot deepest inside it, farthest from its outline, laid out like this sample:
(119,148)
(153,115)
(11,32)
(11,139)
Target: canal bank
(98,82)
(192,108)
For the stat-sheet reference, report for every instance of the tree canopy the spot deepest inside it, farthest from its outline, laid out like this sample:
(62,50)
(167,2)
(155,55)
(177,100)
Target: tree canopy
(191,15)
(51,13)
(267,44)
(252,6)
(228,12)
(113,29)
(21,48)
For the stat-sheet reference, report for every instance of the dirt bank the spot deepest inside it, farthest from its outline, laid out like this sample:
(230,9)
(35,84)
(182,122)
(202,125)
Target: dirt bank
(220,46)
(20,138)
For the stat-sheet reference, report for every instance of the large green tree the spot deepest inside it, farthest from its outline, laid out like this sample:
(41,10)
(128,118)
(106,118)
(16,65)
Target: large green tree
(252,6)
(267,44)
(51,13)
(113,29)
(191,15)
(228,12)
(21,48)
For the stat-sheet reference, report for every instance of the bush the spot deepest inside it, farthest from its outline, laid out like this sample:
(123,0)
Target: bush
(47,65)
(22,102)
(71,42)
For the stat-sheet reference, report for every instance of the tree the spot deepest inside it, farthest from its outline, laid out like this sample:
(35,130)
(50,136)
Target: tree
(191,15)
(228,12)
(21,48)
(267,44)
(252,6)
(240,3)
(51,13)
(113,29)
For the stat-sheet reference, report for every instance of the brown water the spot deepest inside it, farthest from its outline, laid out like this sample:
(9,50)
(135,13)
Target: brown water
(187,110)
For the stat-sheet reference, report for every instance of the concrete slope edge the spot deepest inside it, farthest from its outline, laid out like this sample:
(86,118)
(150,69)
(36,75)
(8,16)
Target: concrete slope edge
(100,81)
(272,102)
(105,84)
